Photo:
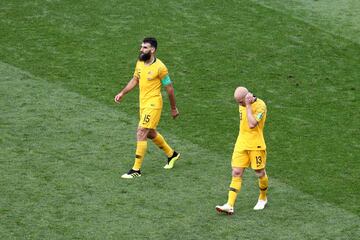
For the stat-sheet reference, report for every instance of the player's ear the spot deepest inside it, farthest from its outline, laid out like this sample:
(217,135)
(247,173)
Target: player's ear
(153,50)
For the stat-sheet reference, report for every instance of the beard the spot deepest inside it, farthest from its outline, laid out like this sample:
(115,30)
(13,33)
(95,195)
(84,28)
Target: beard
(144,56)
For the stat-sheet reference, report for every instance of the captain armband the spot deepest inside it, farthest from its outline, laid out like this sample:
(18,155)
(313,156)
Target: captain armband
(166,80)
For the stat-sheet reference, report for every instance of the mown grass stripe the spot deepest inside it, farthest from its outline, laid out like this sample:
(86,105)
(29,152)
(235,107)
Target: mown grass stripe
(339,18)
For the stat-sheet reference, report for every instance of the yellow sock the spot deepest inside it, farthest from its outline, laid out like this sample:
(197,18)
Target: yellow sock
(161,143)
(141,147)
(263,185)
(234,189)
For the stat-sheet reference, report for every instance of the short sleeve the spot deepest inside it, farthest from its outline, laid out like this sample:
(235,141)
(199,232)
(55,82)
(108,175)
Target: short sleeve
(137,70)
(260,112)
(163,71)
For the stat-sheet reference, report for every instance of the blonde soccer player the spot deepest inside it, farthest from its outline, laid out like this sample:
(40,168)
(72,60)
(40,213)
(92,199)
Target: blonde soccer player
(250,149)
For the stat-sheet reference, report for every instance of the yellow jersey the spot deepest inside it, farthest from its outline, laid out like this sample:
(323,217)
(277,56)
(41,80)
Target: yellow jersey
(252,139)
(150,77)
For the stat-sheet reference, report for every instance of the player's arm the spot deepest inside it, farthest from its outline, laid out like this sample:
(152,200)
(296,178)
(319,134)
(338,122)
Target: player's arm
(252,122)
(171,93)
(250,117)
(131,84)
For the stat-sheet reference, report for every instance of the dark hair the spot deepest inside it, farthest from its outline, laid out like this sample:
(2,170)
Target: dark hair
(151,40)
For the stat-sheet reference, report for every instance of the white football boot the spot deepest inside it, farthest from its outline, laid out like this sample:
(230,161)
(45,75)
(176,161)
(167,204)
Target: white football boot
(131,174)
(260,205)
(226,208)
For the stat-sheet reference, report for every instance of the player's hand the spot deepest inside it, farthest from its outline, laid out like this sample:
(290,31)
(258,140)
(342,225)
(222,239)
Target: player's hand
(118,97)
(249,98)
(174,113)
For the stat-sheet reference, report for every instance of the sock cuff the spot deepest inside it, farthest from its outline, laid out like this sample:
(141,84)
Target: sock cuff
(158,138)
(143,143)
(236,179)
(158,135)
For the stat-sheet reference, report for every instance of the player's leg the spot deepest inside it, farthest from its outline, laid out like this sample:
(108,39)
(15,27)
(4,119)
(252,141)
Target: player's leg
(258,162)
(141,147)
(240,161)
(234,189)
(159,141)
(235,185)
(149,119)
(263,183)
(141,144)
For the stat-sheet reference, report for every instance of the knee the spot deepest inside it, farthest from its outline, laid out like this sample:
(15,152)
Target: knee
(237,172)
(141,134)
(152,134)
(260,173)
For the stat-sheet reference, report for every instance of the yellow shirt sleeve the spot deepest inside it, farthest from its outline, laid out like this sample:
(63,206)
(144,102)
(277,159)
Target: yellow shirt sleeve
(163,71)
(259,112)
(137,70)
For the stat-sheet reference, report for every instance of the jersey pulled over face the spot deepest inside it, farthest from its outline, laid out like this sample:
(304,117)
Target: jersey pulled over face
(252,139)
(150,77)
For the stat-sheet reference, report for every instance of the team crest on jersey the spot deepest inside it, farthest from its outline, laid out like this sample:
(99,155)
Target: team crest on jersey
(150,75)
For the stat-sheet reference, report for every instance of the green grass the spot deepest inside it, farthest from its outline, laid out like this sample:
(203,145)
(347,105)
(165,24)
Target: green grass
(339,17)
(64,143)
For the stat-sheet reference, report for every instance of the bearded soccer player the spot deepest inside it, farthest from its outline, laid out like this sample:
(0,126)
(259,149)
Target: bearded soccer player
(250,148)
(150,74)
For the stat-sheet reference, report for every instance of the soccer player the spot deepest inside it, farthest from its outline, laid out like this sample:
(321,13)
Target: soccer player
(150,74)
(250,148)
